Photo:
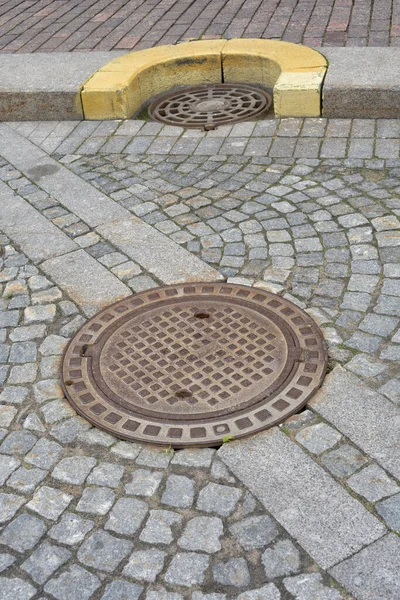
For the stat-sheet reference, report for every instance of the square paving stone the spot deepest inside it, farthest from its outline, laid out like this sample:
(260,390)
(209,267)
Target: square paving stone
(107,474)
(144,483)
(344,461)
(49,502)
(373,572)
(268,592)
(127,515)
(254,532)
(74,469)
(282,559)
(25,480)
(103,551)
(122,590)
(145,565)
(18,442)
(233,572)
(196,457)
(373,483)
(220,499)
(154,458)
(390,511)
(8,464)
(44,561)
(159,525)
(5,561)
(96,500)
(23,533)
(318,438)
(179,491)
(9,504)
(71,529)
(309,585)
(15,588)
(44,454)
(74,584)
(202,533)
(187,569)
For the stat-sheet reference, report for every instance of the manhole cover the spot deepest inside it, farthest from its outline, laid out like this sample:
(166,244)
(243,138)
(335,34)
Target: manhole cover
(208,106)
(190,364)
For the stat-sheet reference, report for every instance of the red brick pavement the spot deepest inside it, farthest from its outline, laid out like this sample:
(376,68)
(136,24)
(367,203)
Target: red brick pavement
(83,25)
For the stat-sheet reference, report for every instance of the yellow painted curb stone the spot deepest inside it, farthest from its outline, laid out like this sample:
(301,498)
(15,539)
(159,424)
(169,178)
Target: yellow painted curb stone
(122,86)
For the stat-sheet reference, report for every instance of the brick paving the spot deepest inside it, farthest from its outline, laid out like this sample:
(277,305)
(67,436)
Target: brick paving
(53,25)
(306,208)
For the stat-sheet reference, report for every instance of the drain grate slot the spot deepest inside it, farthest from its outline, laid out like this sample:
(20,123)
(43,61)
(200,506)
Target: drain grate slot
(209,106)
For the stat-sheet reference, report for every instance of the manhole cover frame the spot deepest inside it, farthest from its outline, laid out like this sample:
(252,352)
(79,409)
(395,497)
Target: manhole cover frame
(307,354)
(228,93)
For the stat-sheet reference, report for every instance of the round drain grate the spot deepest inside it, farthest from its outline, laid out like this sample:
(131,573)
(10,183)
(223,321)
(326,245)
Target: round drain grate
(190,364)
(208,106)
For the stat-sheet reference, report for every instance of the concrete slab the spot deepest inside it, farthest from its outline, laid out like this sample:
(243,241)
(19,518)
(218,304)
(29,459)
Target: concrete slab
(369,419)
(156,252)
(326,521)
(362,83)
(36,235)
(44,87)
(90,285)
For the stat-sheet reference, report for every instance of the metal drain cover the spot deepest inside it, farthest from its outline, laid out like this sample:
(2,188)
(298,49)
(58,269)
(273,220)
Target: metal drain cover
(189,364)
(208,106)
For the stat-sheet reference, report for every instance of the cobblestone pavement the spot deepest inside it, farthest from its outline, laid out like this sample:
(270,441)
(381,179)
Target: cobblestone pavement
(51,25)
(305,208)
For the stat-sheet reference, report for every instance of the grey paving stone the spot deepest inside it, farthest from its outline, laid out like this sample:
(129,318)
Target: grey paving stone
(202,533)
(8,464)
(390,511)
(233,572)
(254,532)
(44,454)
(53,344)
(260,461)
(219,499)
(368,422)
(108,474)
(267,592)
(26,480)
(282,559)
(18,442)
(5,561)
(35,314)
(127,515)
(156,458)
(144,483)
(372,483)
(318,438)
(158,529)
(90,285)
(145,565)
(373,572)
(71,529)
(44,561)
(391,390)
(187,569)
(364,365)
(22,352)
(7,414)
(14,587)
(9,504)
(74,584)
(309,585)
(103,551)
(96,500)
(74,469)
(162,594)
(344,461)
(201,596)
(122,590)
(23,533)
(49,502)
(13,395)
(179,491)
(126,450)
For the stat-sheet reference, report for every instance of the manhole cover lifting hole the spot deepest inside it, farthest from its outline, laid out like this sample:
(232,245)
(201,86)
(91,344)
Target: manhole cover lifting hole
(208,106)
(187,365)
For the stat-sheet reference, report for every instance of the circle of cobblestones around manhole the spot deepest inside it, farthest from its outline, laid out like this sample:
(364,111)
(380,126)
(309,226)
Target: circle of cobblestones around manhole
(208,106)
(190,364)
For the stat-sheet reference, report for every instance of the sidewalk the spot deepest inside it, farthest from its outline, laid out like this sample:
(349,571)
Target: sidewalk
(305,208)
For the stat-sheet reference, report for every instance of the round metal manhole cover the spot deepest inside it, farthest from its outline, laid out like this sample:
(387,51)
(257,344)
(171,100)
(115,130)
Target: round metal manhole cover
(208,106)
(193,363)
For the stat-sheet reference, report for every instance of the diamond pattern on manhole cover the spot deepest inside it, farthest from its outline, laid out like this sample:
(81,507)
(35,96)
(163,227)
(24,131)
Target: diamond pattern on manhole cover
(208,106)
(189,364)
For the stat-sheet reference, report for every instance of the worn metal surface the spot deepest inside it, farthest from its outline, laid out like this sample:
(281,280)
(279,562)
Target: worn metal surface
(189,364)
(208,106)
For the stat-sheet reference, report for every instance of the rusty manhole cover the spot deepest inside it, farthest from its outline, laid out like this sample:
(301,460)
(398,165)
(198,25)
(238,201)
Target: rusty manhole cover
(208,106)
(190,364)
